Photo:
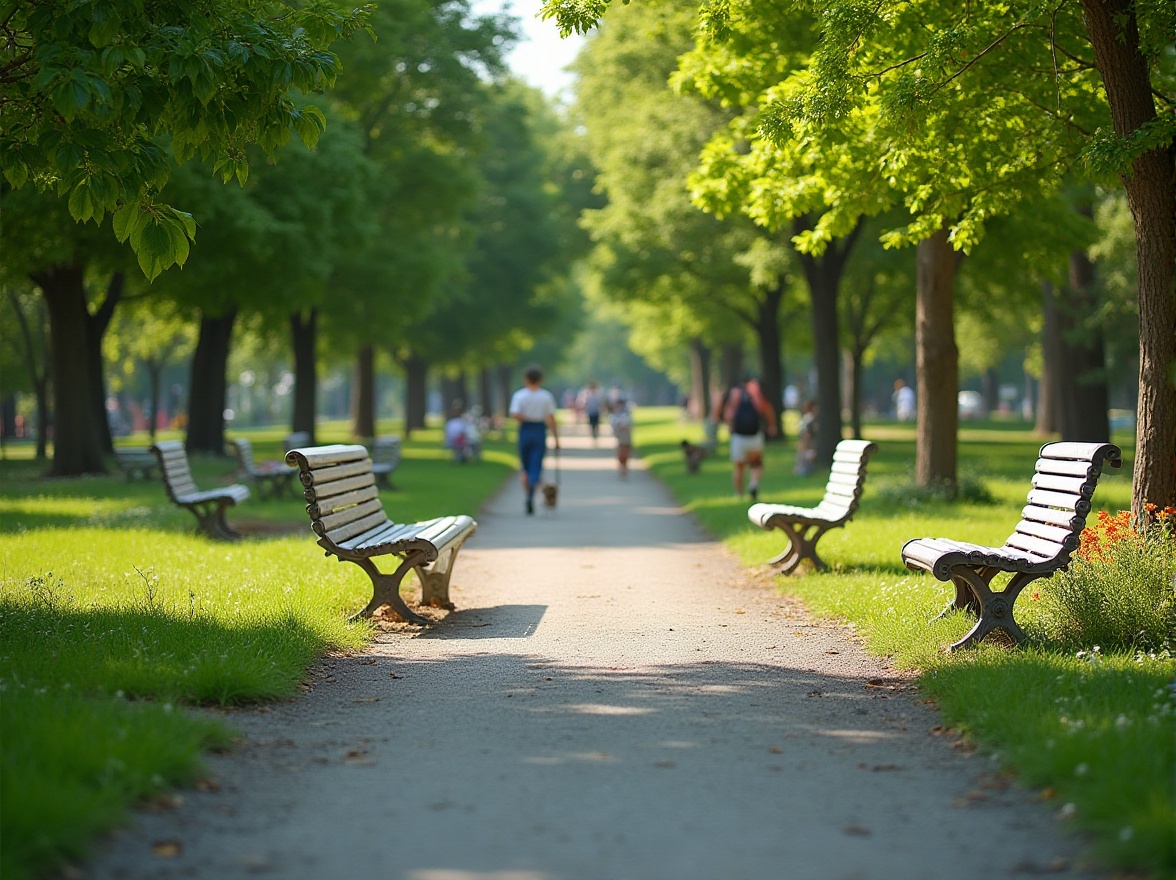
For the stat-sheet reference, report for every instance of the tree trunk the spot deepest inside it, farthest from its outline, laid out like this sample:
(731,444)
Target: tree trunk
(209,385)
(96,328)
(857,357)
(38,367)
(485,391)
(304,334)
(1083,398)
(363,394)
(416,387)
(155,373)
(936,364)
(1048,391)
(824,274)
(771,371)
(1151,193)
(990,391)
(730,368)
(505,386)
(77,437)
(453,393)
(700,369)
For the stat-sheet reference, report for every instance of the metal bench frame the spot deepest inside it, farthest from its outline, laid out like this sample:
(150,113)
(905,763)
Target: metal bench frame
(207,506)
(1050,530)
(272,478)
(804,526)
(346,513)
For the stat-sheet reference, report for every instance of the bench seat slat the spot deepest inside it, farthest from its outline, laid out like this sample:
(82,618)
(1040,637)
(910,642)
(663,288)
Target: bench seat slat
(851,480)
(351,529)
(1076,503)
(349,514)
(851,468)
(1066,468)
(385,533)
(1057,534)
(1036,546)
(1065,519)
(841,490)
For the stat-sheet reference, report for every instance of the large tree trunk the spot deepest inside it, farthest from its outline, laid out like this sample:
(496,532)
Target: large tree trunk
(453,393)
(767,328)
(1151,193)
(77,436)
(700,369)
(416,387)
(38,367)
(505,377)
(304,334)
(209,384)
(1083,399)
(823,274)
(1048,391)
(363,394)
(155,373)
(936,363)
(96,329)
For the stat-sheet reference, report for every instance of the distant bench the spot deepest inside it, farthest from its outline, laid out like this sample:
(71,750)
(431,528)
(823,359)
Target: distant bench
(804,526)
(272,478)
(1049,532)
(132,460)
(346,514)
(385,452)
(207,506)
(296,440)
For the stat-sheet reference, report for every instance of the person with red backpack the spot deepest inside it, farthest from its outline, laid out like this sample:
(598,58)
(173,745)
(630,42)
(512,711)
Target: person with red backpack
(748,414)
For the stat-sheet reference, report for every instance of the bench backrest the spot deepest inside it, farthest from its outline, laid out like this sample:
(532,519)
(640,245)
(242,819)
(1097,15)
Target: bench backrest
(341,490)
(386,451)
(173,464)
(1063,483)
(843,492)
(244,449)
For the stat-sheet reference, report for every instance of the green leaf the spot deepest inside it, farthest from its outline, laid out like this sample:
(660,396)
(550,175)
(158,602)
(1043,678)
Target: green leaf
(124,219)
(16,172)
(81,203)
(156,250)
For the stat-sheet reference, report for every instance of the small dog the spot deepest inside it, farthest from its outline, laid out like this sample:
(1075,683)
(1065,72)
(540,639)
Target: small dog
(694,456)
(550,495)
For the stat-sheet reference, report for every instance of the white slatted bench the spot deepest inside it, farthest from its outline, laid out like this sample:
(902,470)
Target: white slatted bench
(1048,533)
(346,514)
(804,526)
(207,506)
(271,478)
(133,460)
(385,459)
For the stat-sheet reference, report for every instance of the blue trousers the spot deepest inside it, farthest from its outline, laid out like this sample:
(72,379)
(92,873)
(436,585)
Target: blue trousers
(532,446)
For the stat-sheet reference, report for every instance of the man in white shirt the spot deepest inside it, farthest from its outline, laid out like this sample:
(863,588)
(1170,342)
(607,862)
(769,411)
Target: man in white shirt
(533,407)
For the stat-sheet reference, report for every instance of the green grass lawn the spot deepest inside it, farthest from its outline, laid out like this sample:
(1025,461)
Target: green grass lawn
(1095,734)
(115,615)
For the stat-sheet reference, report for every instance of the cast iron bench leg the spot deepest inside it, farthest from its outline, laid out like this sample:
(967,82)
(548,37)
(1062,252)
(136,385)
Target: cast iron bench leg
(435,578)
(996,608)
(386,588)
(802,545)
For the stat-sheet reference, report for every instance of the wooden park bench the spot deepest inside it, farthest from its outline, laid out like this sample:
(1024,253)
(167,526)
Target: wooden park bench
(1049,531)
(346,514)
(132,460)
(272,478)
(207,506)
(385,452)
(804,526)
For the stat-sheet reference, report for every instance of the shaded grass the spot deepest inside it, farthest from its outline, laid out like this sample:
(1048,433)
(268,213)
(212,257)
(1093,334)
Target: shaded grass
(113,612)
(1096,734)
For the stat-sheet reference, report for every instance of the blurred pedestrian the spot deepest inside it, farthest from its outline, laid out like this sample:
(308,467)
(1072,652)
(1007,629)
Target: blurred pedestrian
(621,421)
(533,407)
(748,414)
(806,440)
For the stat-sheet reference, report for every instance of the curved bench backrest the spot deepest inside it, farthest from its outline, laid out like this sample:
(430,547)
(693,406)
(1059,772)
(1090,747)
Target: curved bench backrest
(1063,482)
(245,455)
(386,450)
(341,490)
(843,492)
(173,464)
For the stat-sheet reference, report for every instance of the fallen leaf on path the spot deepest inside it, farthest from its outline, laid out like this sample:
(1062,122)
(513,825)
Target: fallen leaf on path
(800,634)
(815,693)
(666,764)
(1048,794)
(776,750)
(207,785)
(166,849)
(878,768)
(856,831)
(832,652)
(366,700)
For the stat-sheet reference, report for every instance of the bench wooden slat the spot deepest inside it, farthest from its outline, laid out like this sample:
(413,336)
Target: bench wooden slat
(1037,546)
(1067,485)
(327,492)
(1066,519)
(1057,534)
(350,529)
(317,456)
(324,507)
(385,533)
(851,480)
(1076,503)
(328,475)
(346,515)
(1064,467)
(832,488)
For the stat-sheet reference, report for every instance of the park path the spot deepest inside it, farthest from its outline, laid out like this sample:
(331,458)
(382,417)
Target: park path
(615,699)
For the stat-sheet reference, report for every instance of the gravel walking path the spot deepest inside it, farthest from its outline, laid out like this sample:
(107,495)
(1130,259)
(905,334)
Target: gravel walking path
(615,699)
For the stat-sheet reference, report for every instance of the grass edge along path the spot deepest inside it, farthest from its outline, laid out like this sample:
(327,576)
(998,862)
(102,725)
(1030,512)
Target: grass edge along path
(115,620)
(1093,733)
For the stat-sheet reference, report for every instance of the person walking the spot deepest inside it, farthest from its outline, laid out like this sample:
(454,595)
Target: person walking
(904,401)
(806,440)
(590,401)
(533,407)
(622,428)
(746,412)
